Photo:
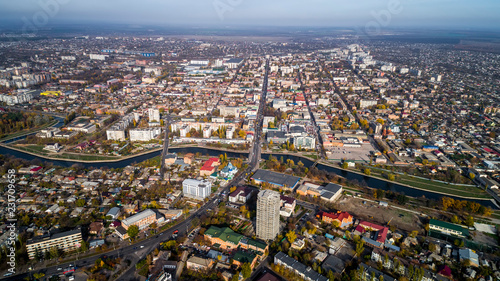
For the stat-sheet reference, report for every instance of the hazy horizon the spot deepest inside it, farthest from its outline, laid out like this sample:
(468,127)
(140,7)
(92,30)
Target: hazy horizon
(387,14)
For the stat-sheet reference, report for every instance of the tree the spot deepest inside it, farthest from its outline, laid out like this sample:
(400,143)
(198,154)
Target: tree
(38,275)
(359,248)
(469,221)
(330,275)
(291,236)
(84,246)
(336,224)
(236,276)
(80,202)
(455,219)
(133,231)
(345,165)
(246,270)
(391,177)
(367,171)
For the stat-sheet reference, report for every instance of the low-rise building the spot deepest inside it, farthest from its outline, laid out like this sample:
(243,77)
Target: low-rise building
(196,189)
(66,241)
(448,229)
(197,263)
(291,264)
(142,219)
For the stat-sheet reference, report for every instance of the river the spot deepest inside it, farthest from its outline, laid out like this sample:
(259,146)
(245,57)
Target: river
(371,182)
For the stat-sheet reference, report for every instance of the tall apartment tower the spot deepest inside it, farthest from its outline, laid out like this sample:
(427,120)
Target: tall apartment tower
(154,115)
(268,214)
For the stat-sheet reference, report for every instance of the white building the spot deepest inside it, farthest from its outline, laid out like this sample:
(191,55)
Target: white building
(304,142)
(98,57)
(144,134)
(268,214)
(154,115)
(115,134)
(200,62)
(22,97)
(197,189)
(367,103)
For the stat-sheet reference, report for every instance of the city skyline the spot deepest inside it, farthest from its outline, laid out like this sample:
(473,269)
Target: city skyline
(223,13)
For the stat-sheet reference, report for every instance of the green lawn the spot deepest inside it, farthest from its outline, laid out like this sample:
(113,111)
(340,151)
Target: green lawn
(86,157)
(38,149)
(313,156)
(458,190)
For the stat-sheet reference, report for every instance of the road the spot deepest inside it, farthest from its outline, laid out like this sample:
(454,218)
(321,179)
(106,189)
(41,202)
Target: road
(165,147)
(313,120)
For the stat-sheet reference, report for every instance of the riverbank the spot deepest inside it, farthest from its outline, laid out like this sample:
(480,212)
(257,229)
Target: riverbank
(406,185)
(79,158)
(371,181)
(28,132)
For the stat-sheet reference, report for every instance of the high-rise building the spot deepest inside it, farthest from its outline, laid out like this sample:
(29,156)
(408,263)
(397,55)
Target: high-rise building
(154,115)
(268,214)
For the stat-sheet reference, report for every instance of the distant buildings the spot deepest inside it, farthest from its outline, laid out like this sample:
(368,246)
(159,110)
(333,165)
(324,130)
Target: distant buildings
(233,63)
(367,103)
(196,189)
(268,214)
(65,241)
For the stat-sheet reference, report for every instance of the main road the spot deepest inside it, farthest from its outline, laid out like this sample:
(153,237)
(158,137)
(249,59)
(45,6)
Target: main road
(140,250)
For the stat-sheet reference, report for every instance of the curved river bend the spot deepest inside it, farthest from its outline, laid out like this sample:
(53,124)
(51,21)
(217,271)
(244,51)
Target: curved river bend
(371,182)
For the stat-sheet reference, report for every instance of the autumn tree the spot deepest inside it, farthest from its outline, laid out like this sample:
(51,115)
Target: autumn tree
(291,236)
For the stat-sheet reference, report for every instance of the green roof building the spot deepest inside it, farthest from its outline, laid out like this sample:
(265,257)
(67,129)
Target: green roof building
(449,229)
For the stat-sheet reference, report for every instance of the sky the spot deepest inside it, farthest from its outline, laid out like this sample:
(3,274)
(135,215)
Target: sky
(449,14)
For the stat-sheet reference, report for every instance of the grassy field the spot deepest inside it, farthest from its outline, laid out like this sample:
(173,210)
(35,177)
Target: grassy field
(86,157)
(458,190)
(313,156)
(38,149)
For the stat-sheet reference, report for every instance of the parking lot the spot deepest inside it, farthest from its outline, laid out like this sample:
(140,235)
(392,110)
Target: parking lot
(351,153)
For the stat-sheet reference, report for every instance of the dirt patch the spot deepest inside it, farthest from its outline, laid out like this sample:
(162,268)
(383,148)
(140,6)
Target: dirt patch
(372,212)
(482,238)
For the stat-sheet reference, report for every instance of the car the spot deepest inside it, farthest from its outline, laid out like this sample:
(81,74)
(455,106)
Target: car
(142,246)
(176,231)
(71,278)
(59,269)
(135,248)
(161,234)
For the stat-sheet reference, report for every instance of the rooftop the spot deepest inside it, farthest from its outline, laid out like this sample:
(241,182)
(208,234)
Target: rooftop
(276,178)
